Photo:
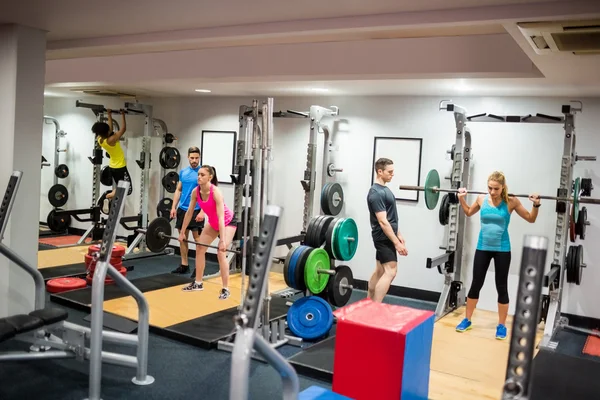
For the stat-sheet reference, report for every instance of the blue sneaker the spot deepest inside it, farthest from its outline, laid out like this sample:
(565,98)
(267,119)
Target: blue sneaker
(501,332)
(464,325)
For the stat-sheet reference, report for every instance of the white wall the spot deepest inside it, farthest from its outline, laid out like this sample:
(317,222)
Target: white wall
(529,155)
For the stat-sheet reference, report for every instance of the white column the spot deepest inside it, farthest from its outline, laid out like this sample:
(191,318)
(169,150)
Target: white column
(22,73)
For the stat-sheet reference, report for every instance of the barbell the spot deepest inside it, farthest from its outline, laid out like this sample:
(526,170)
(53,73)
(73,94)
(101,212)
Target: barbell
(158,234)
(432,193)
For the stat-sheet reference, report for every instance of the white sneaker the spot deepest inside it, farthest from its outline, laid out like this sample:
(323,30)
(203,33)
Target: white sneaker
(106,206)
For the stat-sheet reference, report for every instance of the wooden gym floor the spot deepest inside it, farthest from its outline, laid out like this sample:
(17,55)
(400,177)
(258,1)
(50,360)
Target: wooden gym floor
(469,365)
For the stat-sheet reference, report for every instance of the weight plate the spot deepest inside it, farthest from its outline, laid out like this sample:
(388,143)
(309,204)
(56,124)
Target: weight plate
(317,260)
(582,223)
(570,265)
(339,286)
(432,181)
(163,209)
(169,157)
(345,240)
(329,236)
(286,267)
(299,270)
(170,181)
(322,229)
(444,210)
(310,318)
(106,176)
(169,138)
(62,171)
(101,202)
(155,243)
(572,231)
(310,238)
(578,255)
(332,198)
(576,192)
(58,222)
(58,195)
(292,266)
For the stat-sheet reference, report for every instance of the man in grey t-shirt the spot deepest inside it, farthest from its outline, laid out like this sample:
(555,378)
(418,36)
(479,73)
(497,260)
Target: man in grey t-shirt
(384,230)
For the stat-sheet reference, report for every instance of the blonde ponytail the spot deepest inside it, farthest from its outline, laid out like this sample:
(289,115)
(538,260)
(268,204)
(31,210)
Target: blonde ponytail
(499,177)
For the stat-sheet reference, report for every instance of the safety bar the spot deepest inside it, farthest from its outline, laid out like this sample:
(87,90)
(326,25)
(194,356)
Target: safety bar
(96,334)
(107,336)
(517,385)
(247,336)
(447,259)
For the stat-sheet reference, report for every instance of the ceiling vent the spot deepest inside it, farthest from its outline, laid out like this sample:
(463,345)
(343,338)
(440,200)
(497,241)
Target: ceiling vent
(104,92)
(579,37)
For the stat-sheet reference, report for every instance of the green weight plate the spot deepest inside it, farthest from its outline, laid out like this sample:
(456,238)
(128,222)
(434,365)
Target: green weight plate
(345,240)
(431,196)
(576,191)
(318,259)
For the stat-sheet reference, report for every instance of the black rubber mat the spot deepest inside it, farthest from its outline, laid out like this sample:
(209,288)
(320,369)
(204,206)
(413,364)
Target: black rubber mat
(64,271)
(208,330)
(81,298)
(316,361)
(115,322)
(44,246)
(559,376)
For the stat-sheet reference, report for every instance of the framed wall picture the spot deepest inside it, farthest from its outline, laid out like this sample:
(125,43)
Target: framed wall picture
(406,155)
(217,149)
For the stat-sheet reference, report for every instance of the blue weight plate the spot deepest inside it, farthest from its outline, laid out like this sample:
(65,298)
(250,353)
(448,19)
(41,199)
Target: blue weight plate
(299,283)
(310,318)
(292,267)
(286,267)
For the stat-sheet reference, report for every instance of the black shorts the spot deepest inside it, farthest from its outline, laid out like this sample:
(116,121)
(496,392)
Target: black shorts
(121,174)
(385,251)
(193,225)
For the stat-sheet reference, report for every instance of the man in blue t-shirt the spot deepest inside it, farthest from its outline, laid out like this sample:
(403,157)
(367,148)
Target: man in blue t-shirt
(188,180)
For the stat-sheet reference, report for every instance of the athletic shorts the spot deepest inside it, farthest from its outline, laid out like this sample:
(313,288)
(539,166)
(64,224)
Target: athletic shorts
(121,174)
(193,225)
(385,251)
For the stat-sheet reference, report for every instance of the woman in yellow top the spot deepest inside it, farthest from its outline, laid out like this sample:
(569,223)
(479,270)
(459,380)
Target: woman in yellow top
(109,141)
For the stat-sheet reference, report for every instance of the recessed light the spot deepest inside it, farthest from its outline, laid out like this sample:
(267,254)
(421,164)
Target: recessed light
(202,90)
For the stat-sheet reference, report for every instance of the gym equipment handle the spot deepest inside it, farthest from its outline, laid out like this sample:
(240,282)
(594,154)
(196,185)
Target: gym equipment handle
(585,200)
(162,235)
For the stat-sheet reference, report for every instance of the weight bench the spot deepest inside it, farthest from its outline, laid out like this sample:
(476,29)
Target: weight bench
(47,328)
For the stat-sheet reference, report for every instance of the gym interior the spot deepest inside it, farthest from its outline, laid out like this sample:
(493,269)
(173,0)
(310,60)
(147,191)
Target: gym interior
(293,106)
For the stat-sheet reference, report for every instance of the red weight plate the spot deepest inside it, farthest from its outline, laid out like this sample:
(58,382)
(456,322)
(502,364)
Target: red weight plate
(108,280)
(92,267)
(60,285)
(117,251)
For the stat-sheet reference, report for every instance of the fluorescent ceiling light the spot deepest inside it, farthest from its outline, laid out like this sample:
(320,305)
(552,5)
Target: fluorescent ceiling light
(203,90)
(319,90)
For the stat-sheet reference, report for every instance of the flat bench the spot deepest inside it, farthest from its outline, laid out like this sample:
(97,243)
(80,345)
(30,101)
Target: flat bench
(22,323)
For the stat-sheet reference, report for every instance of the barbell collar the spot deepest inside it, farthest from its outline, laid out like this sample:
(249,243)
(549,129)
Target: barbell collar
(346,286)
(326,271)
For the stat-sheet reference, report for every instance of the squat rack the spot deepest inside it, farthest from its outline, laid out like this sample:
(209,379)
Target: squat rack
(454,293)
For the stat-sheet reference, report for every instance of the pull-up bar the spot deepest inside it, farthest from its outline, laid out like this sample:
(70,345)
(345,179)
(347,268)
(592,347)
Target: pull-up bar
(100,109)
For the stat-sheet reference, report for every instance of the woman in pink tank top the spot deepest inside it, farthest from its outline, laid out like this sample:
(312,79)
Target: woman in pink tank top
(221,223)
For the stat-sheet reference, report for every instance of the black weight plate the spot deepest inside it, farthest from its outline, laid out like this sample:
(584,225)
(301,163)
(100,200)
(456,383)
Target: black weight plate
(300,284)
(62,171)
(311,232)
(169,158)
(578,262)
(328,236)
(58,195)
(170,181)
(337,295)
(444,210)
(581,223)
(106,176)
(169,138)
(570,265)
(58,222)
(332,198)
(163,209)
(322,229)
(155,243)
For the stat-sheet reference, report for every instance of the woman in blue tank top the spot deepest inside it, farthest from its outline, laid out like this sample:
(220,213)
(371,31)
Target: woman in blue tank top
(493,243)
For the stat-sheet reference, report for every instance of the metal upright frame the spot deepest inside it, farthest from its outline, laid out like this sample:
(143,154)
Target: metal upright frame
(58,133)
(554,280)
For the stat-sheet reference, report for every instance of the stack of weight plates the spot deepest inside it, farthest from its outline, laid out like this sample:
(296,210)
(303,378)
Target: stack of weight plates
(116,260)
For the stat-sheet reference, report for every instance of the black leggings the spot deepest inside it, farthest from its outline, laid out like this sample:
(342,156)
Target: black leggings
(480,267)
